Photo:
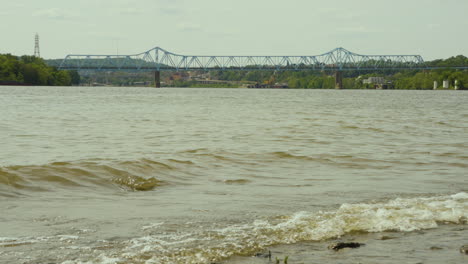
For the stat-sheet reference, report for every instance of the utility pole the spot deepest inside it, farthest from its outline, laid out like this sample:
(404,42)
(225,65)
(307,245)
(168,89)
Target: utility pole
(37,53)
(338,79)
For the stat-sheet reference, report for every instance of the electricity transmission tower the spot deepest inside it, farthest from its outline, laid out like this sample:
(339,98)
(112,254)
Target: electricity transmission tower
(37,53)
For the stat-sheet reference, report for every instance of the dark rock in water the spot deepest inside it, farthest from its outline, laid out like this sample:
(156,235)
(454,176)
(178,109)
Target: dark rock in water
(463,220)
(435,248)
(264,255)
(386,237)
(464,249)
(340,245)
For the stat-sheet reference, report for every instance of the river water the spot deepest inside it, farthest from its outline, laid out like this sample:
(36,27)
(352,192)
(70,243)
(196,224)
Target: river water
(142,175)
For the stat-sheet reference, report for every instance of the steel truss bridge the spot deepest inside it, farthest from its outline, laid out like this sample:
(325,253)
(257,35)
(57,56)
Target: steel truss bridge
(158,59)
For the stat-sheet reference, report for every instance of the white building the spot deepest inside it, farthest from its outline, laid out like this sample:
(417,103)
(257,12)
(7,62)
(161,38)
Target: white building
(374,80)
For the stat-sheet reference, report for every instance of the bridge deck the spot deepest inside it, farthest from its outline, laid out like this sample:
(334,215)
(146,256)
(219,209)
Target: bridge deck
(159,59)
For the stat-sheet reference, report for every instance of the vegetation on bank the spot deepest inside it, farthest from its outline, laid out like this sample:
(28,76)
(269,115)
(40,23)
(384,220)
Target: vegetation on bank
(399,79)
(31,70)
(351,80)
(118,78)
(396,79)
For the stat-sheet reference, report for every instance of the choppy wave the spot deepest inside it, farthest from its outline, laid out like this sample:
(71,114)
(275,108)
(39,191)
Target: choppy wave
(278,156)
(164,243)
(403,215)
(141,175)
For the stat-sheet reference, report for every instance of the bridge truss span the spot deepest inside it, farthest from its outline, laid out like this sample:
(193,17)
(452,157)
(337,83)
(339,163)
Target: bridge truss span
(158,59)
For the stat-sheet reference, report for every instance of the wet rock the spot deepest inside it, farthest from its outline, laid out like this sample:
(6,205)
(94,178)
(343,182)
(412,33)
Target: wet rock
(386,237)
(435,248)
(463,220)
(464,249)
(263,255)
(340,245)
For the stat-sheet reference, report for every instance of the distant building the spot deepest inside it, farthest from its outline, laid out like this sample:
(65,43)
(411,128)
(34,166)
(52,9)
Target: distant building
(378,83)
(141,84)
(280,85)
(200,76)
(374,80)
(180,76)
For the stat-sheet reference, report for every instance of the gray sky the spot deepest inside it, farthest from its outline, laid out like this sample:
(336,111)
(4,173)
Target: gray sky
(431,28)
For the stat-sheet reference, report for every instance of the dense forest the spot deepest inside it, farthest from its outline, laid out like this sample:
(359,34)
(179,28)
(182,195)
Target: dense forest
(31,70)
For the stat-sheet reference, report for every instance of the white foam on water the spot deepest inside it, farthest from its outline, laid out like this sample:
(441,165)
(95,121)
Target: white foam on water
(76,262)
(6,239)
(152,226)
(13,241)
(85,231)
(16,241)
(108,260)
(77,248)
(102,259)
(402,214)
(67,237)
(460,196)
(206,245)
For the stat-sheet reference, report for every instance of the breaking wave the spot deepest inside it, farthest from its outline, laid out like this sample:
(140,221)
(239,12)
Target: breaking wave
(402,215)
(141,175)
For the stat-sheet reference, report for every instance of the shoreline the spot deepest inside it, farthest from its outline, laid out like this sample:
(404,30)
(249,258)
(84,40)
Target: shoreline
(242,88)
(437,245)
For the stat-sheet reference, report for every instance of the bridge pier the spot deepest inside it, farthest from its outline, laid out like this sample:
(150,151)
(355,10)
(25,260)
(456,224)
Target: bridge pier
(338,80)
(157,79)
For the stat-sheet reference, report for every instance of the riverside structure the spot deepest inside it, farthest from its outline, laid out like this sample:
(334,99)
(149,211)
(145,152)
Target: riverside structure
(158,59)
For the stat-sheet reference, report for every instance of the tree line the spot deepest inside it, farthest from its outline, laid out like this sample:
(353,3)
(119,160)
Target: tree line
(397,79)
(31,70)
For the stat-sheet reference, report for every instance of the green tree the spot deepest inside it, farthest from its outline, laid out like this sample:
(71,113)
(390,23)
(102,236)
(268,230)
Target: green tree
(75,77)
(31,70)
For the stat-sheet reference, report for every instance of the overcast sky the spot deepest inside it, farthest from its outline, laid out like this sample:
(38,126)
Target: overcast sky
(431,28)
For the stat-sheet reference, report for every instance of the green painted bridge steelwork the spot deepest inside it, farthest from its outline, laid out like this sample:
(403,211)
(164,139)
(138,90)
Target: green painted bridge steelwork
(158,59)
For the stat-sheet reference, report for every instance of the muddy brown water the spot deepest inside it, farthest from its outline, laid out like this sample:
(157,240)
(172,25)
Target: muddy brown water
(142,175)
